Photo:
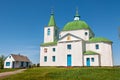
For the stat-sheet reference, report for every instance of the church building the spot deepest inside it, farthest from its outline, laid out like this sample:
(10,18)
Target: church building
(74,45)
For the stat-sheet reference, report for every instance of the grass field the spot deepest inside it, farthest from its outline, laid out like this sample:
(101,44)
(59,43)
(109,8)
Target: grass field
(7,70)
(81,73)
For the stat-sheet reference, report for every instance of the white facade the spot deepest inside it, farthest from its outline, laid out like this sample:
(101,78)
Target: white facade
(74,48)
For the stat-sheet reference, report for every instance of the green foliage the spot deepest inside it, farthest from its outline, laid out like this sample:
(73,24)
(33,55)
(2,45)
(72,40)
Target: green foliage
(99,39)
(75,25)
(49,44)
(89,53)
(2,59)
(80,73)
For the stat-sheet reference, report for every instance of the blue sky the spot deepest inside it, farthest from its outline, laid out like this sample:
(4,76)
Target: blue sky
(22,23)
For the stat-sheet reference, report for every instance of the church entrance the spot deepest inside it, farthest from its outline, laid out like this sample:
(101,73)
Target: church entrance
(88,61)
(69,60)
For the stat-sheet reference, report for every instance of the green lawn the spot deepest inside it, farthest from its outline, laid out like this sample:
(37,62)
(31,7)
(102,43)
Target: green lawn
(81,73)
(6,70)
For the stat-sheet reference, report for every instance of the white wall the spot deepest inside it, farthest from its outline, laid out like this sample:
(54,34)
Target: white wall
(96,60)
(49,38)
(104,50)
(49,55)
(61,54)
(8,59)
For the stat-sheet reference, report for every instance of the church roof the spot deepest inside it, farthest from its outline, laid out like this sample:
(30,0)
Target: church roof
(99,39)
(52,20)
(75,25)
(49,44)
(90,53)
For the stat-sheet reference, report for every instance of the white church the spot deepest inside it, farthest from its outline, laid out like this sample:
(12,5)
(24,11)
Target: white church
(74,45)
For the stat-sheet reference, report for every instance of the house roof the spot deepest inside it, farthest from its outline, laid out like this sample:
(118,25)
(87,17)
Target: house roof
(90,53)
(20,58)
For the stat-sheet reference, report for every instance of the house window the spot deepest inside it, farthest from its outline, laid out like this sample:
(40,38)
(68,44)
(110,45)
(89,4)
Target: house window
(92,59)
(97,46)
(53,58)
(45,58)
(53,49)
(86,33)
(69,46)
(48,31)
(45,50)
(7,63)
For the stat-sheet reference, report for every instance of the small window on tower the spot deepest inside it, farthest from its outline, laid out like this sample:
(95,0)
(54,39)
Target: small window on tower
(48,31)
(45,50)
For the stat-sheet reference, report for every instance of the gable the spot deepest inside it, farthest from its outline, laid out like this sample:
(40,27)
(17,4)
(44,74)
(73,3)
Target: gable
(69,37)
(9,59)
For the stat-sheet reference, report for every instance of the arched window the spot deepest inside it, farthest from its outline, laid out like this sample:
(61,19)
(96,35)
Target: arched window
(48,31)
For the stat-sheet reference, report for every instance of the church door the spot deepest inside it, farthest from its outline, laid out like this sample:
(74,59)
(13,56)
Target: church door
(88,61)
(69,60)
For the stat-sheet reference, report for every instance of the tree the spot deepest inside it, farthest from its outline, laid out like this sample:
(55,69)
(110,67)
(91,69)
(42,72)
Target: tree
(2,59)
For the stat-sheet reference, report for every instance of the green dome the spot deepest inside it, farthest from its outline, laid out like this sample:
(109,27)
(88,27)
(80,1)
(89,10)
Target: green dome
(76,25)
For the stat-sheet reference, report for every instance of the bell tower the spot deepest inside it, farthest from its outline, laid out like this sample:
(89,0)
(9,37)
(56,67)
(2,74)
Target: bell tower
(51,30)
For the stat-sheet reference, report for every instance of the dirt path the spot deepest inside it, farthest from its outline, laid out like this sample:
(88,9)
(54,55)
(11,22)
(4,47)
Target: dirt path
(4,74)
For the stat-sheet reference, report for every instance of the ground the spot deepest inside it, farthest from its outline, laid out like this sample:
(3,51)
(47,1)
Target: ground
(63,73)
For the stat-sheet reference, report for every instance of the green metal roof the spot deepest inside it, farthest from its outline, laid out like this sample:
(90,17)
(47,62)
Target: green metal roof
(52,20)
(90,53)
(99,39)
(76,25)
(49,44)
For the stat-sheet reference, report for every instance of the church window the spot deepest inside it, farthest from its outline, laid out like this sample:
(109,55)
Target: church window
(45,58)
(48,31)
(45,50)
(53,49)
(97,46)
(92,59)
(86,33)
(53,58)
(69,46)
